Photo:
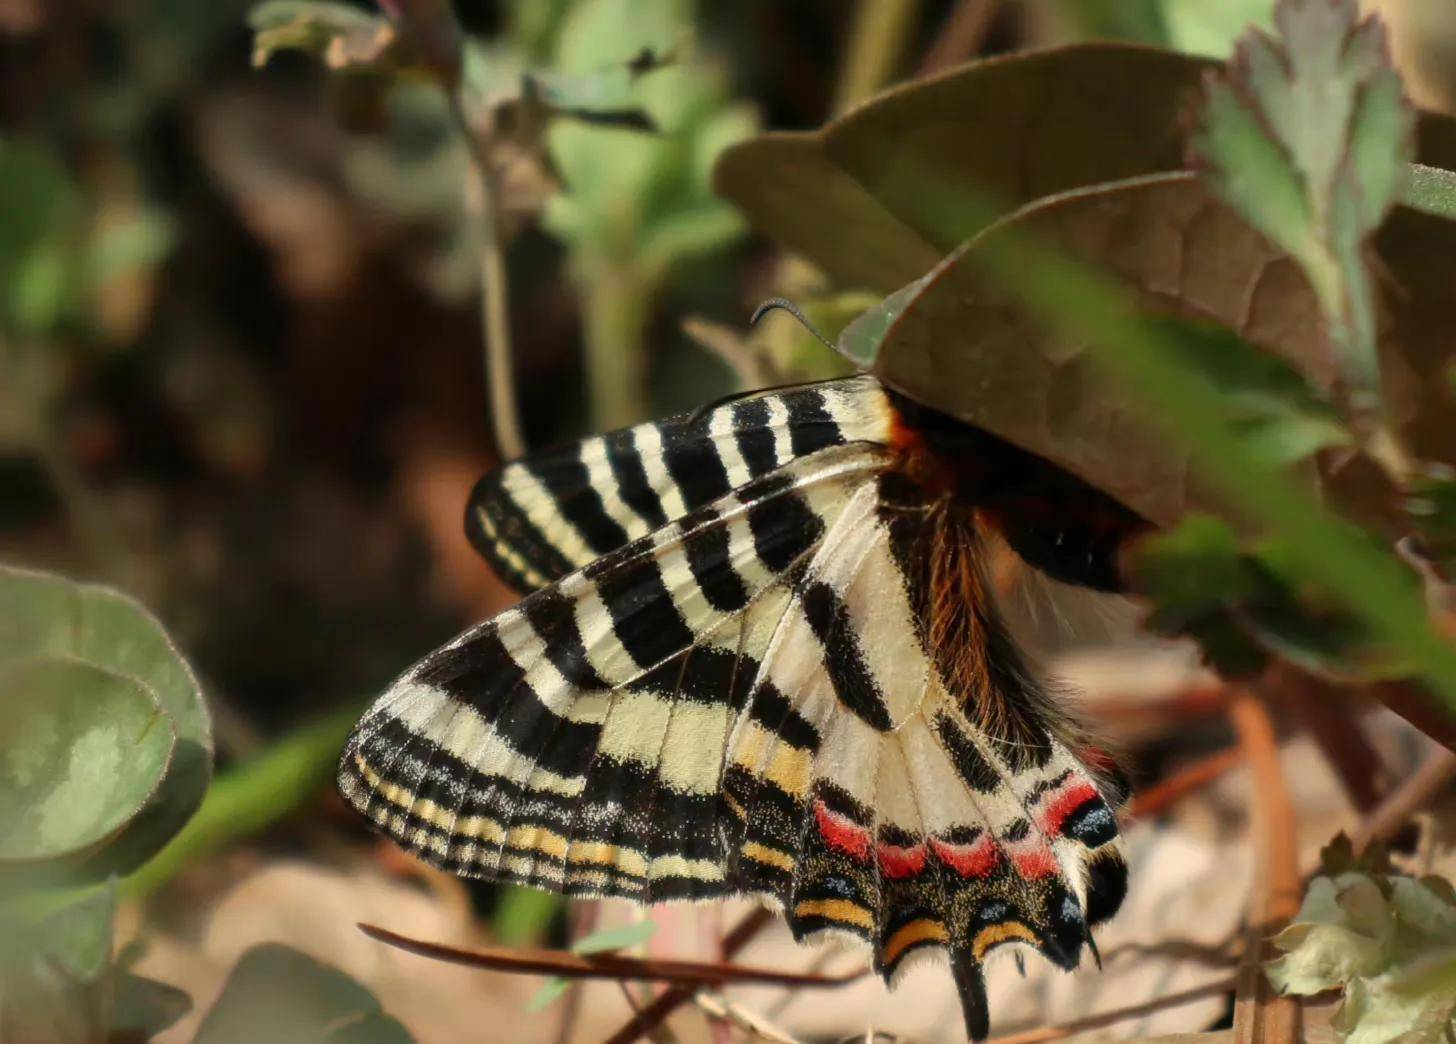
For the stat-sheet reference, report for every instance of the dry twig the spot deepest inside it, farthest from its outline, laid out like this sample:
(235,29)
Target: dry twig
(1329,715)
(605,965)
(1261,1017)
(1157,799)
(1387,818)
(1110,1018)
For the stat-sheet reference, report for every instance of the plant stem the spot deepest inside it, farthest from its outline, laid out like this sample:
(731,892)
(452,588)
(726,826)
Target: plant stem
(92,525)
(494,291)
(1261,1017)
(617,303)
(1434,775)
(961,35)
(1111,1018)
(878,38)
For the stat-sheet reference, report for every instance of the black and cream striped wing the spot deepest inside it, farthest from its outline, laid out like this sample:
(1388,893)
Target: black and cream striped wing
(576,741)
(872,801)
(537,519)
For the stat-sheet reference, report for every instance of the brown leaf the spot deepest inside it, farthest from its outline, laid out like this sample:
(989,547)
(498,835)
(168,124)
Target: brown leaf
(961,343)
(883,179)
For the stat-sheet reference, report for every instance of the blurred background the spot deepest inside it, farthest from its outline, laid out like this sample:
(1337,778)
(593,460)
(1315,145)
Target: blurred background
(241,369)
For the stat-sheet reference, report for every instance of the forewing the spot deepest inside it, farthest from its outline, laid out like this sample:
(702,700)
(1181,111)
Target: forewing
(575,742)
(539,518)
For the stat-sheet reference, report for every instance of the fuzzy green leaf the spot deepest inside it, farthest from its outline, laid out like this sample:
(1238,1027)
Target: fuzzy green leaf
(82,749)
(48,616)
(1310,137)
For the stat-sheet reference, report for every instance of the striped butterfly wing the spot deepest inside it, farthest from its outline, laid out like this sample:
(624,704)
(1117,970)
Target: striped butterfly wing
(765,694)
(537,519)
(869,800)
(575,741)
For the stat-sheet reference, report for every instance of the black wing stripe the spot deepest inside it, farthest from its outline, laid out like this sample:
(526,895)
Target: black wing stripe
(854,683)
(579,500)
(625,460)
(753,437)
(710,559)
(694,462)
(811,426)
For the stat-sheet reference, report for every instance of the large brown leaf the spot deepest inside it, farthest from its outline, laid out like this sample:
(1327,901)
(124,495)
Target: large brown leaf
(879,195)
(958,340)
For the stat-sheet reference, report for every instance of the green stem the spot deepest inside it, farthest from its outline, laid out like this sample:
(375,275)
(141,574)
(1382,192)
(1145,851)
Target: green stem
(878,39)
(618,302)
(249,798)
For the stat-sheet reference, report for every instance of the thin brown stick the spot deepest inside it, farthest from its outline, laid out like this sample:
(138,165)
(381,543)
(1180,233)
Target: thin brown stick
(1261,1017)
(961,35)
(728,344)
(1413,702)
(604,965)
(1386,820)
(1196,701)
(652,1016)
(1116,1015)
(495,318)
(1158,798)
(1330,717)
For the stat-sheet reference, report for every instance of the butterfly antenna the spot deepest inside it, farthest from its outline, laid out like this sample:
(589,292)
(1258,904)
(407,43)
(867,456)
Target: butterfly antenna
(785,305)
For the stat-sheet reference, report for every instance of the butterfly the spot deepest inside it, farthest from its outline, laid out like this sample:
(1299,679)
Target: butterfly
(760,655)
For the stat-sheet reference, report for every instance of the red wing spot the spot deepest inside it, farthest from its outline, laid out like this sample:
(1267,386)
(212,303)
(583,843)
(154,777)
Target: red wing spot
(1063,803)
(842,833)
(1033,859)
(978,859)
(897,861)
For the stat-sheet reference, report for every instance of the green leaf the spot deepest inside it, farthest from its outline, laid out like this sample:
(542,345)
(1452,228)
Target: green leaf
(1198,27)
(606,940)
(146,1007)
(551,991)
(622,937)
(1430,503)
(630,197)
(343,37)
(524,915)
(1243,601)
(55,965)
(1431,190)
(251,796)
(277,993)
(82,750)
(1344,930)
(47,616)
(1310,138)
